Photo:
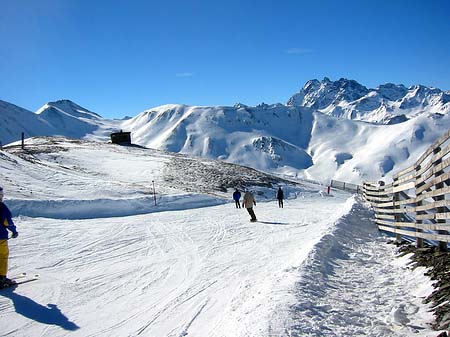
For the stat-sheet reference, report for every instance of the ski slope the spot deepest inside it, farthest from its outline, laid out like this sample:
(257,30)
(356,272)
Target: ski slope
(110,263)
(197,272)
(206,271)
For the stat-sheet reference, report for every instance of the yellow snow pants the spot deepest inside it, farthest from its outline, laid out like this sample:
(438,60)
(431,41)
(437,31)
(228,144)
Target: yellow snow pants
(4,254)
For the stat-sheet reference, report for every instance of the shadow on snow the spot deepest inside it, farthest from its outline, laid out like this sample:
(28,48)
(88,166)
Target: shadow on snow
(49,314)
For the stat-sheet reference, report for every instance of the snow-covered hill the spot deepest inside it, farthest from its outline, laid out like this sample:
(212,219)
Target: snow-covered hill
(273,138)
(14,120)
(387,104)
(289,140)
(79,176)
(329,130)
(60,118)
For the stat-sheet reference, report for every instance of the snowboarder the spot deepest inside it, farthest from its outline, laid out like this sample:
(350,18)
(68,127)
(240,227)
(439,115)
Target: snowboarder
(236,197)
(280,197)
(249,202)
(5,223)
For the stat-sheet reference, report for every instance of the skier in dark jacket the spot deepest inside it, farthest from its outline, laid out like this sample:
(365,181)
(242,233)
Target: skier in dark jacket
(280,197)
(236,197)
(6,224)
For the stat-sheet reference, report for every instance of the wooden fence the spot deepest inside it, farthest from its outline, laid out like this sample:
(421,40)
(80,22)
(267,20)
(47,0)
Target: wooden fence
(342,185)
(416,204)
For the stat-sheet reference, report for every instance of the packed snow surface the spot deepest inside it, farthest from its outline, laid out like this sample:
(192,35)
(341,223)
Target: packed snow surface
(193,265)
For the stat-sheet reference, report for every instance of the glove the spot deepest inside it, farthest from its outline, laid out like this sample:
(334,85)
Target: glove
(15,235)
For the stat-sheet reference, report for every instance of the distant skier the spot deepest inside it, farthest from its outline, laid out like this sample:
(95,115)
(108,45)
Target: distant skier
(5,223)
(280,197)
(248,203)
(236,198)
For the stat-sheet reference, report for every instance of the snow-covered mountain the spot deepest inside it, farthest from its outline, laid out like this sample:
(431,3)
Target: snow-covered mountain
(60,118)
(267,137)
(14,120)
(387,104)
(329,130)
(291,140)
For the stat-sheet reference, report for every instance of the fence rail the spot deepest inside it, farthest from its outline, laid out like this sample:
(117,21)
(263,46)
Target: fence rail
(416,204)
(342,185)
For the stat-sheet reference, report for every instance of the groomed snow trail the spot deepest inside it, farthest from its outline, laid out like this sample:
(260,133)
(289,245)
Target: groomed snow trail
(353,284)
(201,272)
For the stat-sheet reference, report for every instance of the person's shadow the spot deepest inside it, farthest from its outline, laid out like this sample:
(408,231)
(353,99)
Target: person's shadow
(49,314)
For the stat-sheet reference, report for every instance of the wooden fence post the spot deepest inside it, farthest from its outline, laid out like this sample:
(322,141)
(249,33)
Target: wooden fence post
(397,216)
(419,241)
(442,245)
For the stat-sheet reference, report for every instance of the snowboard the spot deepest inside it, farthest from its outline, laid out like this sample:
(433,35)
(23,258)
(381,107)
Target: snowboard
(20,279)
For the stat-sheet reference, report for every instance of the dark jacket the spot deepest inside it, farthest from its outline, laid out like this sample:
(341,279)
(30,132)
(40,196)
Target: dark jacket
(6,222)
(236,195)
(280,194)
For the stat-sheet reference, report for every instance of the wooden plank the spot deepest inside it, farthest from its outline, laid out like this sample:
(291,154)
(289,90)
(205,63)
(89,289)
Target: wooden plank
(427,236)
(434,226)
(401,210)
(441,154)
(385,199)
(384,216)
(437,192)
(397,224)
(376,194)
(436,168)
(405,171)
(401,181)
(435,181)
(432,205)
(386,204)
(433,216)
(384,210)
(384,222)
(431,226)
(405,202)
(405,187)
(424,177)
(424,156)
(424,168)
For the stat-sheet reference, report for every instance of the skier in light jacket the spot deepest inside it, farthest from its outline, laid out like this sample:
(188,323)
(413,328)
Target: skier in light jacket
(248,203)
(6,224)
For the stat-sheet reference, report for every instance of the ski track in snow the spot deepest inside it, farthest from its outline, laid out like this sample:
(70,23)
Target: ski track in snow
(316,267)
(202,272)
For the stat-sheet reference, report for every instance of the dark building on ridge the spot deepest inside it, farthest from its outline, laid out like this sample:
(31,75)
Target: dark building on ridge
(121,138)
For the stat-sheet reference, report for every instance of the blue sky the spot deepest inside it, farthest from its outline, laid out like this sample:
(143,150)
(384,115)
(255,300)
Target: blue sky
(120,57)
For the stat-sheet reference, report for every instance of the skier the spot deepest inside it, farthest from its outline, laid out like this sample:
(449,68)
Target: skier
(249,202)
(236,197)
(280,197)
(5,223)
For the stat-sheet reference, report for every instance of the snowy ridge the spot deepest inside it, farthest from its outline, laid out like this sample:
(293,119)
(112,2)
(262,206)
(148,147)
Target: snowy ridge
(269,137)
(60,118)
(329,130)
(106,208)
(387,104)
(14,120)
